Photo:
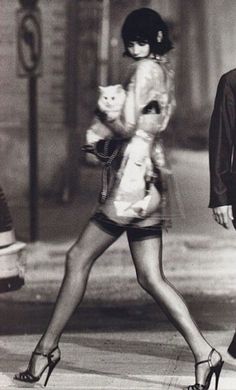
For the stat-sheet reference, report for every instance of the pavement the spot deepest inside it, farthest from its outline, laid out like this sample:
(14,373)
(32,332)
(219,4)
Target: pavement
(119,338)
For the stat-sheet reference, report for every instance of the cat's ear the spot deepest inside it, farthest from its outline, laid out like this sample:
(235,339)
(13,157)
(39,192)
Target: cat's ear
(100,89)
(119,87)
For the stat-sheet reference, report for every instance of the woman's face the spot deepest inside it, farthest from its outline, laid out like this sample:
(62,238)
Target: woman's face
(138,49)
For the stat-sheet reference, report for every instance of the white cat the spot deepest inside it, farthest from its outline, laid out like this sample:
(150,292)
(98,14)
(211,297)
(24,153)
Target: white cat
(111,100)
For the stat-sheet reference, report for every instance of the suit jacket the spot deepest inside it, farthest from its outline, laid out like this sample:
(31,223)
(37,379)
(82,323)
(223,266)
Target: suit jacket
(222,141)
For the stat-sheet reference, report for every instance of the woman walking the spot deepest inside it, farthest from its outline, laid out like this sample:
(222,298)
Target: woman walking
(136,201)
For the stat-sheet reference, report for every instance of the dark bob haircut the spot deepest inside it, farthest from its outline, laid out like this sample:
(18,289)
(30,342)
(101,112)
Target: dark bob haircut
(142,25)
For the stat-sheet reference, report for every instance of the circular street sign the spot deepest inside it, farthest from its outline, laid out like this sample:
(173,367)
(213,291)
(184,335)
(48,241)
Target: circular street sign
(29,42)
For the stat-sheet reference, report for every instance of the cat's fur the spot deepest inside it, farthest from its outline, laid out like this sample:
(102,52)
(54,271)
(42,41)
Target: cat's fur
(110,102)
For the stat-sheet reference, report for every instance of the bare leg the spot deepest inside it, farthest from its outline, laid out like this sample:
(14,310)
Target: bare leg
(147,257)
(80,258)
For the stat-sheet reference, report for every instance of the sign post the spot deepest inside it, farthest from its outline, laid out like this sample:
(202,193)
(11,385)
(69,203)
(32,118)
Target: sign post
(29,65)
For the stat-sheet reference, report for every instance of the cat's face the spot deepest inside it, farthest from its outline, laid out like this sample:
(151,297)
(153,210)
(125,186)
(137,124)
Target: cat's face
(111,97)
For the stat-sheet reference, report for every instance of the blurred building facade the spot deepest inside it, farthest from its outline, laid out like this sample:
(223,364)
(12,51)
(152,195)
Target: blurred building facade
(81,50)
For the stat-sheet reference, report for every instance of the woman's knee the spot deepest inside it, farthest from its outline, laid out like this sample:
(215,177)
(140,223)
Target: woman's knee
(149,281)
(78,260)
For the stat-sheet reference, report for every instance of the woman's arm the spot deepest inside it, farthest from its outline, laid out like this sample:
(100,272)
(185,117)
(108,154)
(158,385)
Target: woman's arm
(152,84)
(141,88)
(148,85)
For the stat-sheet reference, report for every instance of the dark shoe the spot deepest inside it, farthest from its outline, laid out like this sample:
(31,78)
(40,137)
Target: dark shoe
(51,360)
(232,347)
(212,370)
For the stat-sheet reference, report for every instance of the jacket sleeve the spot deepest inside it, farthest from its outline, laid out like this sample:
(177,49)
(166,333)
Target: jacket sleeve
(139,94)
(221,144)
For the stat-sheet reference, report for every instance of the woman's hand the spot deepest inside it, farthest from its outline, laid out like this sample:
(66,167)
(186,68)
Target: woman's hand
(149,204)
(222,215)
(150,123)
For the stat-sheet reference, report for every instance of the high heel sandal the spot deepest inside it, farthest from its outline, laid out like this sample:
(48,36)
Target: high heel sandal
(213,370)
(52,360)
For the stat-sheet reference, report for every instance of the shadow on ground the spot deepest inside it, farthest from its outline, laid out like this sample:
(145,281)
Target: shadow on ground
(28,318)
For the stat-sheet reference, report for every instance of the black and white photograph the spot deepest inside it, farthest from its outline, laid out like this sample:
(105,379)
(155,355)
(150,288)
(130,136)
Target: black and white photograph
(118,194)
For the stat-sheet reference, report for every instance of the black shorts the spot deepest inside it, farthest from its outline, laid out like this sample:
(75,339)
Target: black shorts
(134,233)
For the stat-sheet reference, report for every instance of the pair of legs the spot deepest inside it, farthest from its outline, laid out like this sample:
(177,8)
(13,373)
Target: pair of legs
(147,257)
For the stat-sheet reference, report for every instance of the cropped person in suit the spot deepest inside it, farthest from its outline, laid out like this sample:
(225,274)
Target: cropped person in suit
(222,142)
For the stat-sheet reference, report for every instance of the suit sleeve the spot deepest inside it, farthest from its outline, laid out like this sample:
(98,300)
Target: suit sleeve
(221,144)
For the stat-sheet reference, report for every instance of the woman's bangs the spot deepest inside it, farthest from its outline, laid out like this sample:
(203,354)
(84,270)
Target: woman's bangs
(137,37)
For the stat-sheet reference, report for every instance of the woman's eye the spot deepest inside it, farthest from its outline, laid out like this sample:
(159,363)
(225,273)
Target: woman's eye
(142,43)
(130,44)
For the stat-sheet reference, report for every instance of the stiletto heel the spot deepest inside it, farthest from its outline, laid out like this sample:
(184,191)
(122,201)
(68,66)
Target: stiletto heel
(213,369)
(217,373)
(52,360)
(50,370)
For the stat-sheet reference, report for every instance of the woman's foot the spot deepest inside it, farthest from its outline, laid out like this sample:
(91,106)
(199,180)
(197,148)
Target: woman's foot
(40,361)
(204,370)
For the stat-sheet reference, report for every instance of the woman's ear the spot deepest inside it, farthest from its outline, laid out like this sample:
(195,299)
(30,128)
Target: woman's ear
(159,36)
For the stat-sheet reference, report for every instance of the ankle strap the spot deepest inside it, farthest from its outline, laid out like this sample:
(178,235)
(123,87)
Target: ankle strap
(45,354)
(208,359)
